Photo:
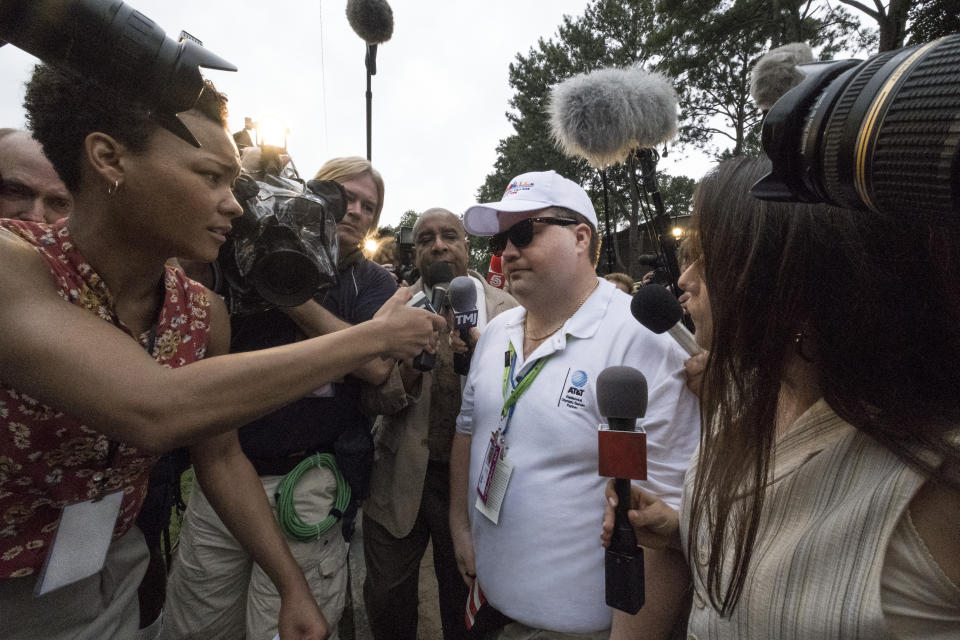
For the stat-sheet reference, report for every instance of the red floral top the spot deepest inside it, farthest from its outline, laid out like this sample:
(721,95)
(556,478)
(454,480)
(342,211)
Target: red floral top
(48,459)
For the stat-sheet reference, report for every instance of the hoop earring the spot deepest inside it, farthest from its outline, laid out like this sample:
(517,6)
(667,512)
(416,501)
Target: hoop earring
(114,189)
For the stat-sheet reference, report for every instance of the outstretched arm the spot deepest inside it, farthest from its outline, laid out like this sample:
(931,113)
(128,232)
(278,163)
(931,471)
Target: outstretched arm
(314,320)
(69,359)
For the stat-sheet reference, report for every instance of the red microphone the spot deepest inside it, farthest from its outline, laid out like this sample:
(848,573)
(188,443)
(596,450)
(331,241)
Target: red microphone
(622,399)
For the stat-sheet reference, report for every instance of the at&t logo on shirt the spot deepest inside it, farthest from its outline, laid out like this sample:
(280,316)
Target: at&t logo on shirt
(573,388)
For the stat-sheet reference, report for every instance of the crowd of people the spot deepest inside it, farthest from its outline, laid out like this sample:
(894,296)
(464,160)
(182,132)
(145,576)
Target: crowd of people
(803,471)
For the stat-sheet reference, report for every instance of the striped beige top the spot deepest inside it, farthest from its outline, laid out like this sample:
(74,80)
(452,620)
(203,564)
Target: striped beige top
(832,506)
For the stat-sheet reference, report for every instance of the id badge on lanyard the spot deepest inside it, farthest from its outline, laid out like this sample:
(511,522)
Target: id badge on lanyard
(497,469)
(490,460)
(84,532)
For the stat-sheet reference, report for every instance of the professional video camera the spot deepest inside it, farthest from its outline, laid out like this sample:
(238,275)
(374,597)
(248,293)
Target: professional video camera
(283,250)
(404,268)
(880,134)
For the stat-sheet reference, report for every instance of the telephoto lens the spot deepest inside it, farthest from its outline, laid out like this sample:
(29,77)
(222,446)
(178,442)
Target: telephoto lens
(119,47)
(881,134)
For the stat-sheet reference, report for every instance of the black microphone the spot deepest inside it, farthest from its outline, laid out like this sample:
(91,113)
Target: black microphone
(655,308)
(622,399)
(440,276)
(463,302)
(371,19)
(605,114)
(776,73)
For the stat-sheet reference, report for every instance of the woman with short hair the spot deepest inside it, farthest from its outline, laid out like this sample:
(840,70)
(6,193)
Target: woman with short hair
(102,363)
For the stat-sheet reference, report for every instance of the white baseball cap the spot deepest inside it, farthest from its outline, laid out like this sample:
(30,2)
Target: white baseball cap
(530,192)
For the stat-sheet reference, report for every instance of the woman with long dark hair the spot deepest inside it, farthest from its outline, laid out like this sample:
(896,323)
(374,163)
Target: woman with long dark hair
(824,497)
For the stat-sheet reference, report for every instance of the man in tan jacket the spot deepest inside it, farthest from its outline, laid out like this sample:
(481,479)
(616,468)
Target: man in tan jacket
(409,489)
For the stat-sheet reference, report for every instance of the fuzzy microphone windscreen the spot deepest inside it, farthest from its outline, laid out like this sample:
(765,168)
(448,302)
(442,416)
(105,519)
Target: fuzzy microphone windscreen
(371,19)
(776,72)
(604,115)
(621,393)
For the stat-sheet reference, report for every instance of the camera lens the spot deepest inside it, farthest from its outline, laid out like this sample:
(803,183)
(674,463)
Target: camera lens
(285,277)
(881,135)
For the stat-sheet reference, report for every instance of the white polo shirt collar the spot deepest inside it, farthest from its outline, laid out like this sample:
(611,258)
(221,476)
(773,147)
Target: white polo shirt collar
(582,324)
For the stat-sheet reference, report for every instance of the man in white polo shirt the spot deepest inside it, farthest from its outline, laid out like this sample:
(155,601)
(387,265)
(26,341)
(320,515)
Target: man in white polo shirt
(524,521)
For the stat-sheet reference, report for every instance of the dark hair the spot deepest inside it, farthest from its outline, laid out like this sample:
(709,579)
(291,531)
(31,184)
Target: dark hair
(593,250)
(876,301)
(63,108)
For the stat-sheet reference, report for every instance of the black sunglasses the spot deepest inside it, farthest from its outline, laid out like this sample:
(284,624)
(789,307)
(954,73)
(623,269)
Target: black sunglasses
(521,234)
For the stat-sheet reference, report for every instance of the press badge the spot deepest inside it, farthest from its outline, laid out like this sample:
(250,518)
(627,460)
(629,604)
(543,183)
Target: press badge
(79,548)
(490,461)
(494,478)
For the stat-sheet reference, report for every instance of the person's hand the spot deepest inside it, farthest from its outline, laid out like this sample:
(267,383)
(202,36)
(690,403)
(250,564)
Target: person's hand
(457,345)
(694,368)
(463,552)
(301,618)
(406,330)
(654,522)
(647,278)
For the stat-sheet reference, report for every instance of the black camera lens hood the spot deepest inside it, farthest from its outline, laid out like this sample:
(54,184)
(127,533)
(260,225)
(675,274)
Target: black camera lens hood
(785,129)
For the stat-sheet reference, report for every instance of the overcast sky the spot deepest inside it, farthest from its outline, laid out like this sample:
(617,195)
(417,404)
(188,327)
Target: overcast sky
(439,96)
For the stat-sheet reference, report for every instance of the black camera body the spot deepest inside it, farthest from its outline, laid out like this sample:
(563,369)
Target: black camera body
(283,249)
(878,135)
(404,269)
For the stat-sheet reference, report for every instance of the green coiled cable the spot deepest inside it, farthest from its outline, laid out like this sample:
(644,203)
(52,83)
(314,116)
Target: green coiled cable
(287,517)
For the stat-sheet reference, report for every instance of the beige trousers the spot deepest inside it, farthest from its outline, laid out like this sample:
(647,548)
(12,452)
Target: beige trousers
(215,591)
(102,606)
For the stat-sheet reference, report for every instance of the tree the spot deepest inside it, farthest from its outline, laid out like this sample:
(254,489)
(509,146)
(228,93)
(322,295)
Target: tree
(710,47)
(408,218)
(707,46)
(891,18)
(932,19)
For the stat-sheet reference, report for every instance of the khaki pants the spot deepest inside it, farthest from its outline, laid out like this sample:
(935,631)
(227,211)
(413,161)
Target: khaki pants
(102,606)
(216,591)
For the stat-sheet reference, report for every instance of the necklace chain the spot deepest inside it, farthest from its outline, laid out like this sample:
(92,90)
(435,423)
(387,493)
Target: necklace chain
(547,335)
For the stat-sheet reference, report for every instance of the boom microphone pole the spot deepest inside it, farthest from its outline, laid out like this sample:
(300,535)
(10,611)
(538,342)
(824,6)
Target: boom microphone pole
(648,158)
(372,20)
(605,116)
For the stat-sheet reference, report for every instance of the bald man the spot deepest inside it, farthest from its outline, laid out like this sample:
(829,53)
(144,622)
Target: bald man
(30,188)
(410,487)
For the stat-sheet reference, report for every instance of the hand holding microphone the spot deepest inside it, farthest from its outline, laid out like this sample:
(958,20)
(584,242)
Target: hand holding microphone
(463,303)
(406,331)
(622,399)
(439,278)
(656,524)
